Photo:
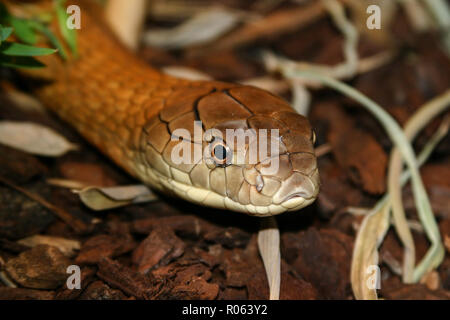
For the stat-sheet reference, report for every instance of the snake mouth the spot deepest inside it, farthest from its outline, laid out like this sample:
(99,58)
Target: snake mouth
(296,195)
(299,198)
(295,200)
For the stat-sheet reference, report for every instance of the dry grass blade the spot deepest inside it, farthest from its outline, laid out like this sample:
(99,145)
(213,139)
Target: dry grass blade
(185,73)
(374,226)
(113,197)
(365,253)
(301,98)
(66,183)
(269,248)
(431,260)
(34,138)
(201,28)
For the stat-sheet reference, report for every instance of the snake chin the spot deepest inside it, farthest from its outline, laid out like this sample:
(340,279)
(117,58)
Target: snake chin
(296,202)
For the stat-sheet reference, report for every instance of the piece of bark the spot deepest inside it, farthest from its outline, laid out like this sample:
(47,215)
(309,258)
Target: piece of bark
(87,276)
(205,257)
(19,166)
(444,272)
(290,246)
(239,267)
(7,293)
(336,191)
(185,281)
(20,216)
(183,225)
(42,267)
(230,237)
(12,246)
(354,149)
(291,287)
(444,227)
(158,249)
(233,294)
(324,260)
(101,246)
(98,290)
(129,281)
(90,173)
(436,178)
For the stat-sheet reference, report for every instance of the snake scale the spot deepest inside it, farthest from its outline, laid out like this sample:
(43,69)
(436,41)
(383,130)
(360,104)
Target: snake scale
(129,111)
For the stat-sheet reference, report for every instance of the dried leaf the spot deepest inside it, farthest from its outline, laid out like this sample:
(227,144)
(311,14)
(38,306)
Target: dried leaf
(67,183)
(34,138)
(20,99)
(66,246)
(186,73)
(365,252)
(113,197)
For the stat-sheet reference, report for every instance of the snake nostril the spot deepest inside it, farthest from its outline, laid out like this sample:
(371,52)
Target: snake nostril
(259,183)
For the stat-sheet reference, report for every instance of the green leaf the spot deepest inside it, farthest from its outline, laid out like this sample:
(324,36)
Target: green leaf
(5,32)
(20,62)
(23,30)
(69,35)
(18,49)
(51,37)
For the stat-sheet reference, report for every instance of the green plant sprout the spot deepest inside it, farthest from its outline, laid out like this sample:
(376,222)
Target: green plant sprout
(21,52)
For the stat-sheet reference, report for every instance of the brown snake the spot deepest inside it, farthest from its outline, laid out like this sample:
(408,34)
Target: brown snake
(129,110)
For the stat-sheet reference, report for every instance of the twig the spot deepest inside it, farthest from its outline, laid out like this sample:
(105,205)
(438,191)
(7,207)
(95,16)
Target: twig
(76,224)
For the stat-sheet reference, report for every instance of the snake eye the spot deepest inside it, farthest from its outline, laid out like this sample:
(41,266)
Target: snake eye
(220,153)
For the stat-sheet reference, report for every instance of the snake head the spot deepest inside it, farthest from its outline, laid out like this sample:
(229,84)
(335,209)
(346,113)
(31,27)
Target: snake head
(254,155)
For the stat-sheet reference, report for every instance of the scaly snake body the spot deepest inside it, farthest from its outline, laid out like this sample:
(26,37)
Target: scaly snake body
(129,111)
